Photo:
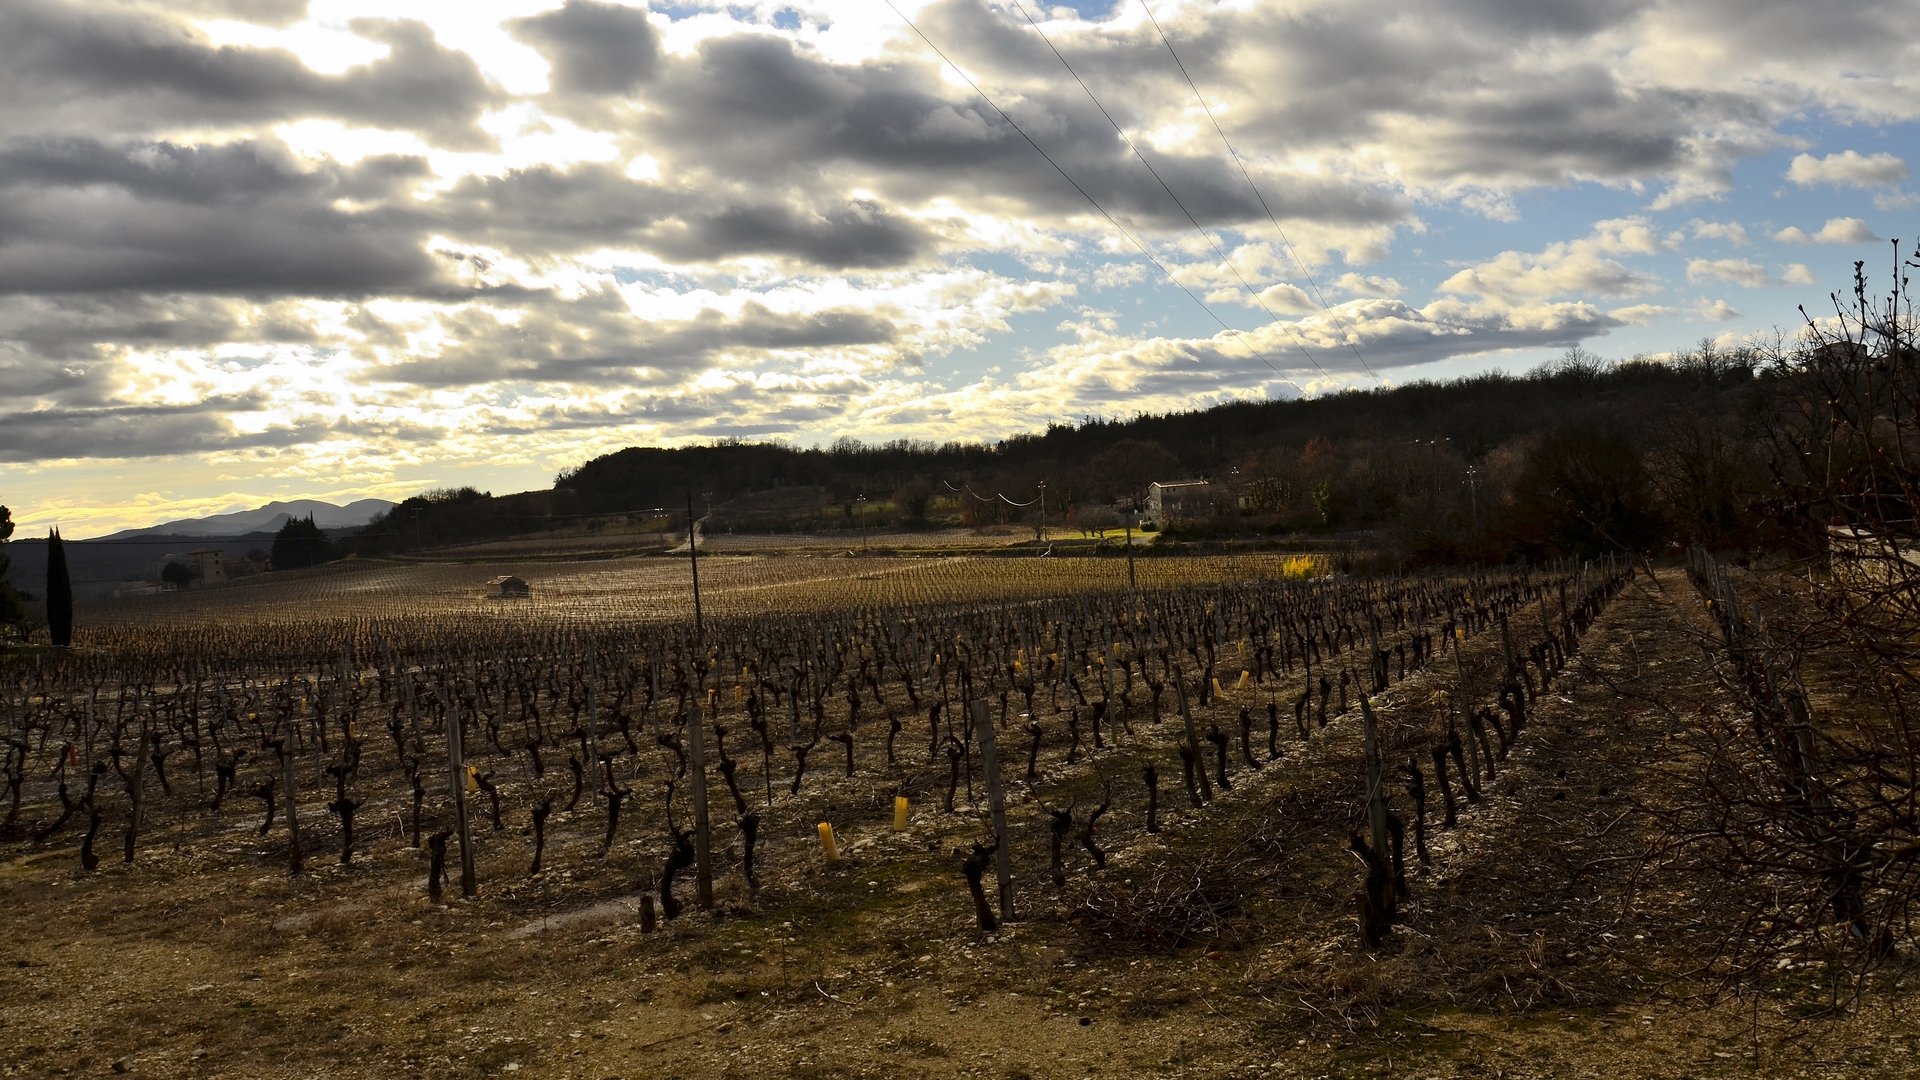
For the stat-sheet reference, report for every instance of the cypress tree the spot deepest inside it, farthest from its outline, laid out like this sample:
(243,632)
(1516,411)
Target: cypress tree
(300,543)
(59,592)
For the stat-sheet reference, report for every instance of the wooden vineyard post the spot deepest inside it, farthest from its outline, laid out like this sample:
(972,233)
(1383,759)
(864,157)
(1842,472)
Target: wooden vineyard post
(456,785)
(1373,635)
(693,561)
(1106,676)
(138,791)
(1193,739)
(1376,789)
(996,805)
(1385,881)
(413,710)
(697,768)
(593,708)
(1461,706)
(288,782)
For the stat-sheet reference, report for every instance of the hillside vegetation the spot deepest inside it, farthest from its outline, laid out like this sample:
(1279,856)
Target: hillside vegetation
(1576,457)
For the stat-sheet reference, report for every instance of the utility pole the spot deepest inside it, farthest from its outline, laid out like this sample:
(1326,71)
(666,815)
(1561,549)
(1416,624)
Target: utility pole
(696,727)
(1433,466)
(693,559)
(1042,535)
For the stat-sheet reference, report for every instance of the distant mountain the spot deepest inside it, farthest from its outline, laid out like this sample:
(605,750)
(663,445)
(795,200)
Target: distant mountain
(266,519)
(98,567)
(103,563)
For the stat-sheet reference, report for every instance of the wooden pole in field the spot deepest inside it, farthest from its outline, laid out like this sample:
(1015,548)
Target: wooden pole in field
(996,805)
(288,782)
(693,560)
(697,736)
(1106,673)
(1376,788)
(138,792)
(1133,584)
(1460,707)
(593,707)
(413,709)
(1193,737)
(697,766)
(457,787)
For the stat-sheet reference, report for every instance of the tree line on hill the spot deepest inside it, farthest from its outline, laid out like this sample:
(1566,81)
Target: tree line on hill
(1578,456)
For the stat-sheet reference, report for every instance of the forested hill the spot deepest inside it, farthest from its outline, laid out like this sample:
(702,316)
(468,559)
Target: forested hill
(1580,455)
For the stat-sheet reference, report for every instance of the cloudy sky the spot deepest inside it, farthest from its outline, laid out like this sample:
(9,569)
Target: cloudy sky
(257,249)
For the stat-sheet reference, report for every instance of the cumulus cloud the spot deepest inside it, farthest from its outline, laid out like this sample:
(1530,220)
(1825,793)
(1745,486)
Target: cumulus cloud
(1731,232)
(1368,285)
(263,12)
(1848,230)
(547,211)
(1737,271)
(136,431)
(598,340)
(1640,314)
(1565,268)
(1632,236)
(1287,299)
(1315,351)
(108,68)
(1781,56)
(1849,168)
(1747,273)
(767,107)
(594,48)
(79,215)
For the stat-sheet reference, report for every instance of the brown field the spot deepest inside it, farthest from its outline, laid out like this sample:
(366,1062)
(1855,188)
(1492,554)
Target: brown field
(1558,930)
(744,576)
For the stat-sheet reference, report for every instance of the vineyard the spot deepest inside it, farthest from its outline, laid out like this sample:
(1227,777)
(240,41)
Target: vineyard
(854,815)
(635,591)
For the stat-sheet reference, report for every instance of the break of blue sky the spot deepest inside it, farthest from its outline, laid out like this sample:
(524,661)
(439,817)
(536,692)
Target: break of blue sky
(258,249)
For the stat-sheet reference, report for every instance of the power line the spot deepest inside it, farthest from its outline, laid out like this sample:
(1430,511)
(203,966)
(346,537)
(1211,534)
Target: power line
(1299,342)
(999,495)
(1149,255)
(1235,155)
